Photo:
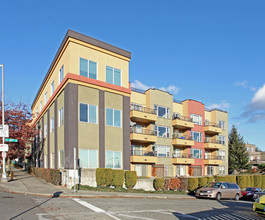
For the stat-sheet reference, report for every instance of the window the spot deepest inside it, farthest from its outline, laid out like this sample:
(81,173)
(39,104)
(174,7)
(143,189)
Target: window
(45,130)
(162,111)
(221,170)
(162,131)
(222,140)
(61,74)
(207,155)
(88,158)
(52,88)
(196,153)
(88,113)
(210,170)
(52,124)
(180,170)
(197,119)
(113,159)
(196,136)
(61,159)
(46,98)
(40,105)
(37,112)
(222,124)
(222,155)
(113,117)
(141,169)
(162,151)
(113,76)
(251,158)
(61,116)
(88,68)
(248,149)
(251,149)
(52,160)
(137,150)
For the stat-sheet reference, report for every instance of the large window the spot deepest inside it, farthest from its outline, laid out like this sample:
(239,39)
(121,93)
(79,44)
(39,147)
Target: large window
(221,170)
(162,111)
(88,158)
(210,170)
(113,117)
(52,88)
(180,170)
(61,159)
(137,150)
(222,140)
(197,119)
(88,113)
(88,68)
(196,136)
(162,151)
(61,116)
(222,124)
(113,159)
(113,76)
(141,169)
(52,125)
(61,74)
(162,131)
(222,155)
(196,153)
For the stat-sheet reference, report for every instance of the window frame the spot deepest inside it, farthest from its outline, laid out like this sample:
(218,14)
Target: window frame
(52,88)
(88,153)
(41,106)
(60,117)
(113,68)
(222,124)
(45,98)
(192,115)
(167,150)
(200,136)
(88,67)
(167,110)
(167,131)
(61,73)
(113,162)
(52,125)
(88,113)
(200,153)
(113,117)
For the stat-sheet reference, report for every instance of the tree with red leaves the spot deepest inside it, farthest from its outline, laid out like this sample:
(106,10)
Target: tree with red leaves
(19,118)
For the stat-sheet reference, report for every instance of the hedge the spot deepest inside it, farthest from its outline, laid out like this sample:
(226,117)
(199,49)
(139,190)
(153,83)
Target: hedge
(257,181)
(108,176)
(104,176)
(118,178)
(50,175)
(202,181)
(193,184)
(242,181)
(159,184)
(263,181)
(210,179)
(130,179)
(231,179)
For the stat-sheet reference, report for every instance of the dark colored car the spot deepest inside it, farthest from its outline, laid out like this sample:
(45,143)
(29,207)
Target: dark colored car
(258,194)
(249,192)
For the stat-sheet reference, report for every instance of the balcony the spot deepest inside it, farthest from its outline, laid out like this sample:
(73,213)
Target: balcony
(212,144)
(142,114)
(143,156)
(182,140)
(178,158)
(212,128)
(143,135)
(212,160)
(182,122)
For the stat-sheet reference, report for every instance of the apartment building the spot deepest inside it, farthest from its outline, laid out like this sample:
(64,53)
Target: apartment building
(84,103)
(176,138)
(255,157)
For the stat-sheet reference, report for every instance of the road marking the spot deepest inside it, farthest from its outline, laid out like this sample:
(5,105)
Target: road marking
(130,216)
(181,214)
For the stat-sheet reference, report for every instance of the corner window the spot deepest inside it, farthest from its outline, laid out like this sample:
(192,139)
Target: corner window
(61,74)
(162,112)
(88,113)
(162,131)
(88,158)
(52,125)
(88,68)
(113,117)
(61,117)
(113,159)
(196,153)
(197,119)
(52,88)
(113,76)
(196,136)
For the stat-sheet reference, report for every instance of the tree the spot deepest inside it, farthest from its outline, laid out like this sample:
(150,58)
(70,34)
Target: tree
(19,118)
(238,156)
(258,149)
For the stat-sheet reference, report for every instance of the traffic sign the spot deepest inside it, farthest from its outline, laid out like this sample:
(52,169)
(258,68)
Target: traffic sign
(11,140)
(3,147)
(4,154)
(4,131)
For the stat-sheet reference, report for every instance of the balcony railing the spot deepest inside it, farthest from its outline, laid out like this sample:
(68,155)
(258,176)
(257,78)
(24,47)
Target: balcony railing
(143,153)
(143,109)
(212,140)
(209,157)
(212,124)
(181,136)
(180,155)
(182,117)
(143,131)
(137,90)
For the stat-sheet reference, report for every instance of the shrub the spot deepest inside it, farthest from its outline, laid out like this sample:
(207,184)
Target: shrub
(202,181)
(108,176)
(210,179)
(50,175)
(193,184)
(174,184)
(166,184)
(130,179)
(231,179)
(251,181)
(242,181)
(263,181)
(100,177)
(159,184)
(257,181)
(118,178)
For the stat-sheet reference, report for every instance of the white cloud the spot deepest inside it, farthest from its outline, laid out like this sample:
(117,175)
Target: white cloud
(138,85)
(223,105)
(259,98)
(242,84)
(171,89)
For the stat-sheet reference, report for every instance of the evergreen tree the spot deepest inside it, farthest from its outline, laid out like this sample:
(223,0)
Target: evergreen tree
(238,156)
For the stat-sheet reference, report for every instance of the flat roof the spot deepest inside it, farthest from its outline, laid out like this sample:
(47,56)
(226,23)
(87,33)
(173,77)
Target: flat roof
(85,39)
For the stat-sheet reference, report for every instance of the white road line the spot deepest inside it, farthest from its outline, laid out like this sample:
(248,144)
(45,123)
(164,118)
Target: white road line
(130,216)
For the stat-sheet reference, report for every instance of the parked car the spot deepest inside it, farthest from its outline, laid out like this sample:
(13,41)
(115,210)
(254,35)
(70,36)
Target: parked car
(249,192)
(258,194)
(218,190)
(259,205)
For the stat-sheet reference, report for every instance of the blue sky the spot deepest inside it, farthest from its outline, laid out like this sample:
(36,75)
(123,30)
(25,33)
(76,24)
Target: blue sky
(211,51)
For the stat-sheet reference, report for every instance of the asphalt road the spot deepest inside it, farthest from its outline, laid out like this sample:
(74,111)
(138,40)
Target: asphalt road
(16,206)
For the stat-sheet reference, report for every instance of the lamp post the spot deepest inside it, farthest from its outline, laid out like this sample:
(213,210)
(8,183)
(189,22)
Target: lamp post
(3,123)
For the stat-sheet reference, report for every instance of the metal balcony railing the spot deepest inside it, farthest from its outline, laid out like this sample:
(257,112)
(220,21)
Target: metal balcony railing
(181,136)
(143,109)
(143,131)
(212,124)
(181,117)
(209,157)
(180,155)
(143,153)
(212,140)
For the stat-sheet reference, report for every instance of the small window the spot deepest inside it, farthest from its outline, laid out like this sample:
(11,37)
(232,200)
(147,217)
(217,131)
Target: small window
(88,113)
(37,112)
(52,125)
(113,117)
(162,112)
(61,117)
(88,68)
(113,159)
(162,131)
(222,140)
(61,74)
(46,98)
(113,76)
(88,158)
(52,88)
(196,136)
(197,119)
(222,124)
(40,105)
(196,153)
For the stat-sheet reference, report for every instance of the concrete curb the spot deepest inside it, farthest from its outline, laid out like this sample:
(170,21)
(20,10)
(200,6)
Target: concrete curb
(94,196)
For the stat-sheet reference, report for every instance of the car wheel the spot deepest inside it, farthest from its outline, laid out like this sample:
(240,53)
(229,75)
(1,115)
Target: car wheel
(218,196)
(237,197)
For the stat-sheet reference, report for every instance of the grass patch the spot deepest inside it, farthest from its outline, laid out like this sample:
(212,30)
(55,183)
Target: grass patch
(108,189)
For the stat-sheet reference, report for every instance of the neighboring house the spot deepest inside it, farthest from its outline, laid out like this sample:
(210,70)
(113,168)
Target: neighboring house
(85,102)
(255,157)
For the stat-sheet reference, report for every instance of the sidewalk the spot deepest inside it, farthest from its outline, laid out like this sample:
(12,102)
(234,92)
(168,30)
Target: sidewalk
(24,183)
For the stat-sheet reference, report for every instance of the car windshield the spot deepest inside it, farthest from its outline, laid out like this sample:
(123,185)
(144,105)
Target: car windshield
(250,189)
(215,185)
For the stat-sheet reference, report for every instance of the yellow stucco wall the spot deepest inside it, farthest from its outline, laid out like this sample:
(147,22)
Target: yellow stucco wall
(177,108)
(138,98)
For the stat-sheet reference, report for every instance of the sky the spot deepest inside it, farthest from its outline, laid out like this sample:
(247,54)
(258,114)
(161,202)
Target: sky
(210,51)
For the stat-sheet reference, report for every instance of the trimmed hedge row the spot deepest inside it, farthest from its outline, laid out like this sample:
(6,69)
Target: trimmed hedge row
(50,175)
(107,177)
(167,184)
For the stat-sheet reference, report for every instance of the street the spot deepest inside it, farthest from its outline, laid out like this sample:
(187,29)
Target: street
(17,206)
